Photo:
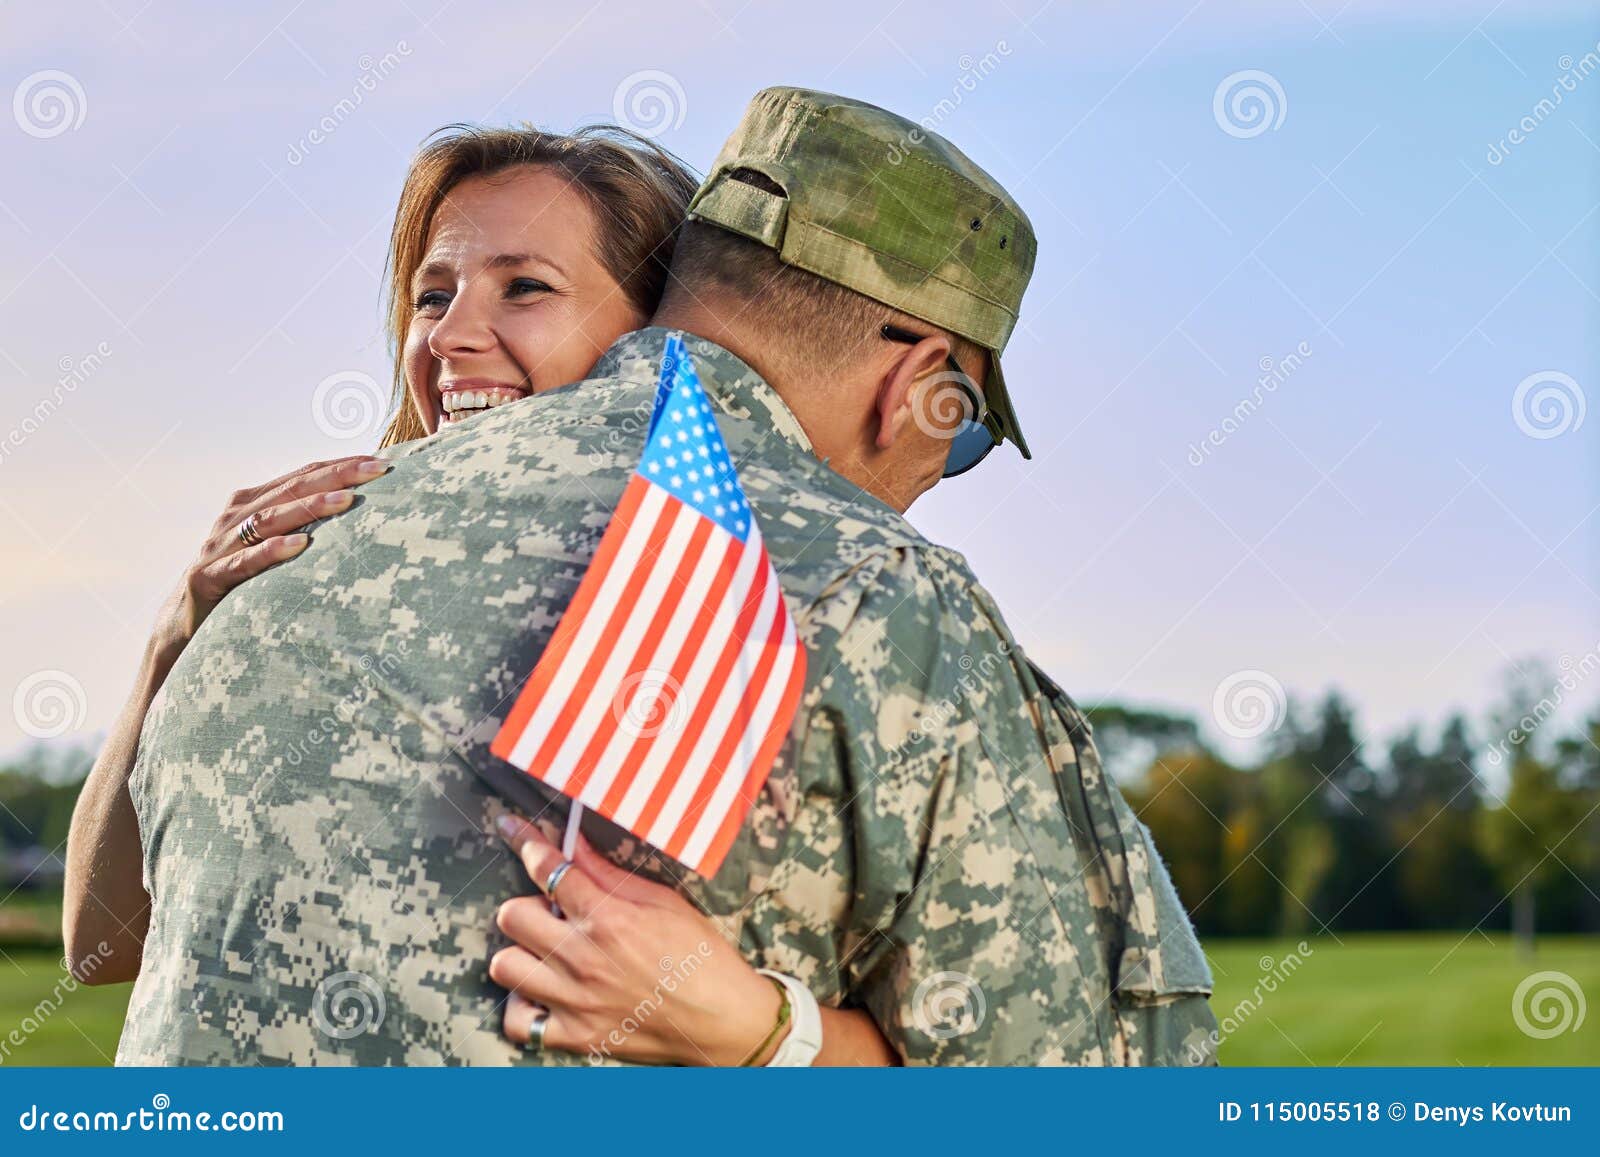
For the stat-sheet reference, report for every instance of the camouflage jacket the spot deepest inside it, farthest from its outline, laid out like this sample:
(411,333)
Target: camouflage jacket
(936,843)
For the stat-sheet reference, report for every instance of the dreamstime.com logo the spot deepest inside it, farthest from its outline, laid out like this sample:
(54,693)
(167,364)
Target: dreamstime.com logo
(649,103)
(935,717)
(673,973)
(48,704)
(1547,1004)
(648,703)
(1248,103)
(972,73)
(75,371)
(337,722)
(373,72)
(949,1004)
(1274,373)
(1274,972)
(622,439)
(1573,674)
(1548,404)
(943,405)
(349,404)
(348,1004)
(160,1117)
(1249,704)
(49,103)
(1573,73)
(36,1017)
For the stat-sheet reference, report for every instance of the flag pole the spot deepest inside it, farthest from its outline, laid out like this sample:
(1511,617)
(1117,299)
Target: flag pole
(569,843)
(569,839)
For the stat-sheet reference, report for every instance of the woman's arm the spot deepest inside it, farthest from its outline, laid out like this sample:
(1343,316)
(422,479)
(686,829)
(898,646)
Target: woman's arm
(105,911)
(634,971)
(851,1037)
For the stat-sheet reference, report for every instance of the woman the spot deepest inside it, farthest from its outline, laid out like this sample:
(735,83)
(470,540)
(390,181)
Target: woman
(517,257)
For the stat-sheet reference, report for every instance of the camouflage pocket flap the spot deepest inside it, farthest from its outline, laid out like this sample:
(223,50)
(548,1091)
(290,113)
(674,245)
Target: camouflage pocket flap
(1162,956)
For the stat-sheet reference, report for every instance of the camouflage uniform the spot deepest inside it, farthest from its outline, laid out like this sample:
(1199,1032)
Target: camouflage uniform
(316,796)
(936,844)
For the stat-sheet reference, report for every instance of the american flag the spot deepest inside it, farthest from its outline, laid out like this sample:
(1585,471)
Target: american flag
(674,674)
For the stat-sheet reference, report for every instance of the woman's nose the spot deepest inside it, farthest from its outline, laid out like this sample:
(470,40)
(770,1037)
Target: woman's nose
(463,329)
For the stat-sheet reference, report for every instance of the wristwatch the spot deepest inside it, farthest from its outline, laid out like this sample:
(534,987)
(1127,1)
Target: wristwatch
(800,1048)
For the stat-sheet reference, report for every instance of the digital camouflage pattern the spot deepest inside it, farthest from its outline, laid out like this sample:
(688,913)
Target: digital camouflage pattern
(890,209)
(937,842)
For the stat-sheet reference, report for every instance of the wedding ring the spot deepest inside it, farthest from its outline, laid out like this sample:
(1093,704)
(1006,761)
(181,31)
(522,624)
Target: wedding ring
(248,533)
(536,1027)
(557,874)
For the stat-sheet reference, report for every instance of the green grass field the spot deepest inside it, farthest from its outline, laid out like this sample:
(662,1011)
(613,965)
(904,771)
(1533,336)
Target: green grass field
(59,1023)
(1442,999)
(1375,1000)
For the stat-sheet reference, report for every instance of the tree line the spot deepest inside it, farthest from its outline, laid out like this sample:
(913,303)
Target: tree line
(1323,832)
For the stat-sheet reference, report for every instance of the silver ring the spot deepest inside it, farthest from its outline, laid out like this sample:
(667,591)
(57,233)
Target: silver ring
(248,532)
(557,874)
(536,1029)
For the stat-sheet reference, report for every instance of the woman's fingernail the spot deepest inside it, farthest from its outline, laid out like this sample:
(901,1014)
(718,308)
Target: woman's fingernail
(372,467)
(338,497)
(295,543)
(509,825)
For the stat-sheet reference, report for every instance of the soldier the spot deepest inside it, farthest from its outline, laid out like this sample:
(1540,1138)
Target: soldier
(936,845)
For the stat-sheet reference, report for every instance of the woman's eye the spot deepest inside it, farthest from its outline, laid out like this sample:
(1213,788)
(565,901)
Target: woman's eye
(523,286)
(433,299)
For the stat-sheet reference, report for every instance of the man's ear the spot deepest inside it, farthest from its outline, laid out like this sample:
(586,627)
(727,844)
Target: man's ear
(897,391)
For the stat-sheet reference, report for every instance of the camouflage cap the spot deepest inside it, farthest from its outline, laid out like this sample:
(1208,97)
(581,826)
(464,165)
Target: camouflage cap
(883,206)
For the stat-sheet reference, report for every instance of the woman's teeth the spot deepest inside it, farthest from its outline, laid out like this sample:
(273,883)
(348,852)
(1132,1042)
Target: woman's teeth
(459,404)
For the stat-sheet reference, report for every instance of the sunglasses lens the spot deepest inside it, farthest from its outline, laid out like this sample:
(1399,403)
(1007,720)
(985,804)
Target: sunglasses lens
(969,447)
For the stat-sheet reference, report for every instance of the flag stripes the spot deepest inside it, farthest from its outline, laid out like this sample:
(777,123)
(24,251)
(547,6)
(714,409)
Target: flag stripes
(669,684)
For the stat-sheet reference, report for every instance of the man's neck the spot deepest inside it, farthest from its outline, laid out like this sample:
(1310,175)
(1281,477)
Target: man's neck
(704,322)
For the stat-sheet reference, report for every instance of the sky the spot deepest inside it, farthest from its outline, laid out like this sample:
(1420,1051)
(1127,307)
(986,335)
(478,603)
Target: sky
(1317,208)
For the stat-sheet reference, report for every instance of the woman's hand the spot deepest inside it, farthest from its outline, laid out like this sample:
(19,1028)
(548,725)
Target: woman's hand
(630,969)
(281,507)
(105,911)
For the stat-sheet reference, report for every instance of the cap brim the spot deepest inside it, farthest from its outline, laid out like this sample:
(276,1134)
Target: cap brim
(994,390)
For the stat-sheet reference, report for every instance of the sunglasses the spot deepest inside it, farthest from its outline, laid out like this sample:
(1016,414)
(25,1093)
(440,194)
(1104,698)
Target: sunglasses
(972,440)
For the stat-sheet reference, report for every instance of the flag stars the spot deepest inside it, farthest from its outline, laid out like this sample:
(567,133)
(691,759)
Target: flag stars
(689,457)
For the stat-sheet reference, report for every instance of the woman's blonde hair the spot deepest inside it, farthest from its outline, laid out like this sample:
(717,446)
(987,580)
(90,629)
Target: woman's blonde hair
(637,190)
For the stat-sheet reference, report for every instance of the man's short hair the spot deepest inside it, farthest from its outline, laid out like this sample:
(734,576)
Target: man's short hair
(802,319)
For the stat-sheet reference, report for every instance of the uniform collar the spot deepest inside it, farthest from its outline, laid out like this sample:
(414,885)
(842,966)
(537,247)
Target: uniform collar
(727,378)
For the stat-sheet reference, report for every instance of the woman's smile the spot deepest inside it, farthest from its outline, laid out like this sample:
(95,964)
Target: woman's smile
(462,397)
